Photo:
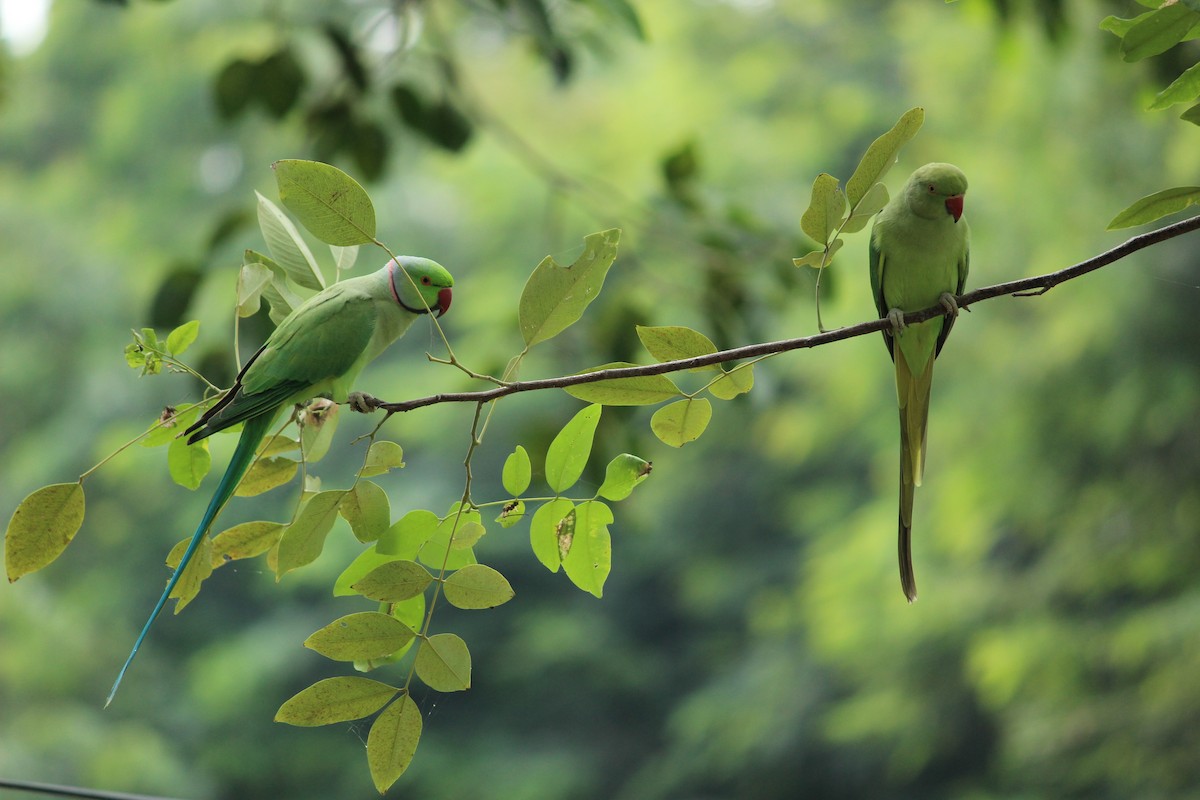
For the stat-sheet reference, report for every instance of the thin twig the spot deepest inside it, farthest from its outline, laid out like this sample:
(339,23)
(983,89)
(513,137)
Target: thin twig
(1037,285)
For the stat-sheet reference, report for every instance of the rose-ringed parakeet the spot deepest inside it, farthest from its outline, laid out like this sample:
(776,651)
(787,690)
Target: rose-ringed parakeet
(920,248)
(318,349)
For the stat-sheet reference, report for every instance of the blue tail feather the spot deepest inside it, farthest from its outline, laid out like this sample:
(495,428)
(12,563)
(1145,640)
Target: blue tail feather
(252,434)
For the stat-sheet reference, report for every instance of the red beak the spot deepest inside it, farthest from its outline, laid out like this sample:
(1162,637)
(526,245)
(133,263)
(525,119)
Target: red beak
(445,295)
(954,206)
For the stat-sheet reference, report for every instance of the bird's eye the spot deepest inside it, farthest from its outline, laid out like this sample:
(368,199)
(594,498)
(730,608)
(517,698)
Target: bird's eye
(426,280)
(932,188)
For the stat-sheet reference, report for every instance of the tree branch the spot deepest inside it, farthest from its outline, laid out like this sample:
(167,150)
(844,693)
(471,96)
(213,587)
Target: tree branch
(1025,287)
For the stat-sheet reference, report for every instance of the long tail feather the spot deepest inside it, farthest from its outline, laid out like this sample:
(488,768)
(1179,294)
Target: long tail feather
(908,579)
(243,455)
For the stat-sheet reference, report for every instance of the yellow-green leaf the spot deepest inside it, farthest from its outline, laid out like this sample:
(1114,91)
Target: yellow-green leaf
(368,511)
(444,663)
(733,383)
(517,472)
(881,155)
(194,574)
(382,457)
(362,636)
(394,581)
(409,534)
(543,531)
(675,342)
(392,742)
(589,559)
(569,451)
(640,391)
(682,421)
(303,540)
(266,474)
(246,540)
(825,209)
(555,297)
(1155,206)
(335,700)
(621,476)
(477,586)
(188,463)
(511,513)
(331,204)
(288,249)
(318,424)
(182,337)
(41,528)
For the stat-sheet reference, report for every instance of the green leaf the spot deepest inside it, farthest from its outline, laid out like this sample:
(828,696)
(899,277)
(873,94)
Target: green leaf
(287,247)
(812,259)
(817,257)
(1158,31)
(825,209)
(517,472)
(881,155)
(182,337)
(409,534)
(682,421)
(1118,26)
(1156,206)
(477,586)
(444,663)
(1192,115)
(170,423)
(467,535)
(448,547)
(870,205)
(304,539)
(543,531)
(383,456)
(331,204)
(733,383)
(621,475)
(512,513)
(318,423)
(335,700)
(279,296)
(568,453)
(368,511)
(41,527)
(188,463)
(589,557)
(1184,88)
(194,574)
(393,741)
(642,391)
(675,342)
(555,297)
(394,581)
(359,568)
(343,257)
(265,474)
(246,540)
(362,636)
(252,279)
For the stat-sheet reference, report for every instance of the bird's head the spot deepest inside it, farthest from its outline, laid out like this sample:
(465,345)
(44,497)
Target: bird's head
(420,285)
(936,190)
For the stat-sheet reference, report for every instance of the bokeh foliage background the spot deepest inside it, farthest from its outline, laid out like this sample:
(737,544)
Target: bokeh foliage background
(752,641)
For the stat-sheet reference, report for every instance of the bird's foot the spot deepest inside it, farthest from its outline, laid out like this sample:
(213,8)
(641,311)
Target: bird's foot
(895,318)
(950,304)
(362,402)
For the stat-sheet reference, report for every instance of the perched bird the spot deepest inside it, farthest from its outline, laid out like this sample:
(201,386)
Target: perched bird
(920,253)
(318,349)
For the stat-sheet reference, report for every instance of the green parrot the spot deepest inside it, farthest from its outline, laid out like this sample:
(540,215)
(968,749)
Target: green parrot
(318,349)
(920,253)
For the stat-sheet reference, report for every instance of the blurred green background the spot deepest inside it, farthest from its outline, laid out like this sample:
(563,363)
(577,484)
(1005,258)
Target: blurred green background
(753,641)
